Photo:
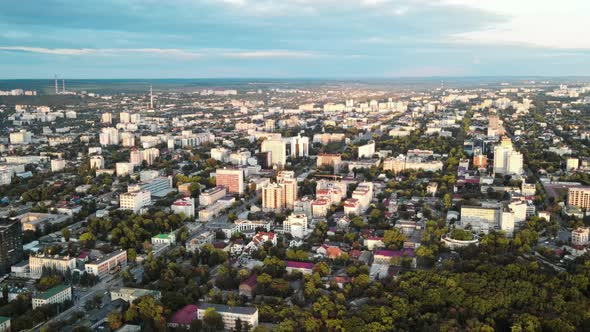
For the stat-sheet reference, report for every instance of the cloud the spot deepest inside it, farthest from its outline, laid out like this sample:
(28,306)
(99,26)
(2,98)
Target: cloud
(270,54)
(177,53)
(103,51)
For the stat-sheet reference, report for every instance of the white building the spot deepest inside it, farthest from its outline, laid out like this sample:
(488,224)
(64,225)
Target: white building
(109,136)
(55,295)
(580,236)
(230,315)
(158,187)
(210,196)
(110,263)
(164,239)
(123,169)
(135,200)
(58,165)
(277,149)
(184,205)
(20,137)
(296,225)
(367,150)
(58,263)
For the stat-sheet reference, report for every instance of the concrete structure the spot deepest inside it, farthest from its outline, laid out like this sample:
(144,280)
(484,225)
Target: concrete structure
(296,225)
(184,205)
(135,200)
(367,150)
(58,165)
(330,160)
(210,196)
(56,295)
(277,149)
(158,187)
(232,179)
(97,162)
(579,196)
(112,262)
(229,315)
(57,263)
(11,243)
(580,236)
(123,169)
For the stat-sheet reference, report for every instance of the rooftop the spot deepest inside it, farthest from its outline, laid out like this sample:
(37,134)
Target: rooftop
(51,292)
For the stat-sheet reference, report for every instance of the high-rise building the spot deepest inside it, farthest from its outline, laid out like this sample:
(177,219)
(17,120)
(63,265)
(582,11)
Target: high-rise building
(230,178)
(124,117)
(298,146)
(106,118)
(273,198)
(20,137)
(58,165)
(109,136)
(579,196)
(127,139)
(269,125)
(277,149)
(11,243)
(506,159)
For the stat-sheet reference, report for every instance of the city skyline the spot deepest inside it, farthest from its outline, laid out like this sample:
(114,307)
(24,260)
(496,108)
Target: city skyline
(293,39)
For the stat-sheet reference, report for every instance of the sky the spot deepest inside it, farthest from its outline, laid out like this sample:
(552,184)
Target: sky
(293,38)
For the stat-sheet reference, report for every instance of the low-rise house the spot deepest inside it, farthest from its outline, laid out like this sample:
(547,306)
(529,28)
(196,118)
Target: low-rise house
(303,267)
(248,286)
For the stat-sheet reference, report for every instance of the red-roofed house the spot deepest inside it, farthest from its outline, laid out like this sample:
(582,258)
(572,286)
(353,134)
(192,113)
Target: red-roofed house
(248,286)
(303,267)
(184,317)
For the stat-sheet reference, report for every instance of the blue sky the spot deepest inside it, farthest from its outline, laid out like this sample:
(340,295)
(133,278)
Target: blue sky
(292,38)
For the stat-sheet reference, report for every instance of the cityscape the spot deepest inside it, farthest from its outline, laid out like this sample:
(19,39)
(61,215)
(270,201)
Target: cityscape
(147,188)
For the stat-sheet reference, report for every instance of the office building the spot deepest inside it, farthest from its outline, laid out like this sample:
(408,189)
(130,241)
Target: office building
(56,295)
(158,187)
(11,243)
(210,196)
(230,178)
(56,263)
(110,263)
(296,225)
(58,165)
(135,200)
(277,149)
(580,236)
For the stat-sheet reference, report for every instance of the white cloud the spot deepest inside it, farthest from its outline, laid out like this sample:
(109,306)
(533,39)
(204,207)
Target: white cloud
(171,52)
(531,22)
(269,54)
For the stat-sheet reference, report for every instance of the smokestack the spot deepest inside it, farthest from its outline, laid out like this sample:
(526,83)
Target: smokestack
(56,86)
(63,85)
